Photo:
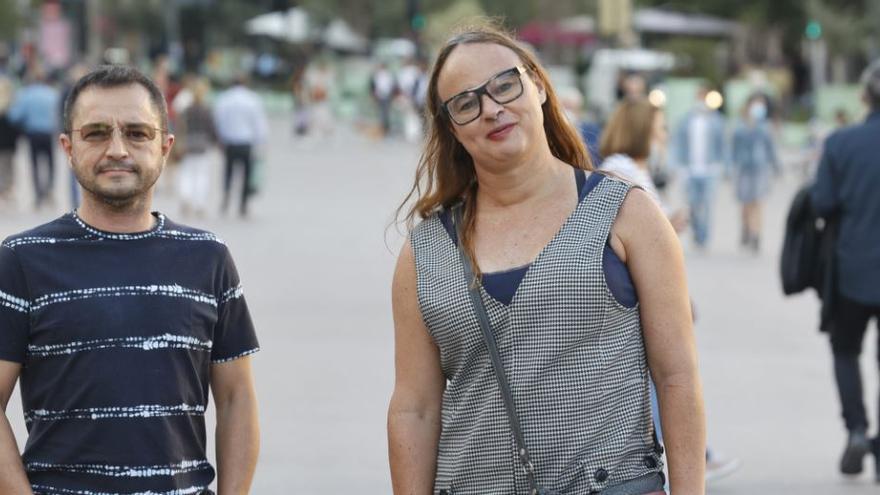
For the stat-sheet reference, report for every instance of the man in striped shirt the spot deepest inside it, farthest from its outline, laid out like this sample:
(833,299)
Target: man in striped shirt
(116,321)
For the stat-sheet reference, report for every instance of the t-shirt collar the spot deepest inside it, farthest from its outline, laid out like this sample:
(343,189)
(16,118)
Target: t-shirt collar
(158,227)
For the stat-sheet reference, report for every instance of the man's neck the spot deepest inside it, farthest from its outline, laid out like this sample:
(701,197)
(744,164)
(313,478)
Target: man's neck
(128,219)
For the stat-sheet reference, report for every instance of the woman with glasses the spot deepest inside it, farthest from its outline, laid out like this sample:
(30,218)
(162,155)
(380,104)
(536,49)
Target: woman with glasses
(531,302)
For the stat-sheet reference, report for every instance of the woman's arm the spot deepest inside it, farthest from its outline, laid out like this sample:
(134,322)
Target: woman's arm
(649,247)
(414,411)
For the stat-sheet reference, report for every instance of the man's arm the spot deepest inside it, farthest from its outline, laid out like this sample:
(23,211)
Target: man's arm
(12,476)
(238,434)
(414,412)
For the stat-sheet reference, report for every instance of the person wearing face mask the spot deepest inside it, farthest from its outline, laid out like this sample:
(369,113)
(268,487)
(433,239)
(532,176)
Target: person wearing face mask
(532,301)
(754,162)
(699,148)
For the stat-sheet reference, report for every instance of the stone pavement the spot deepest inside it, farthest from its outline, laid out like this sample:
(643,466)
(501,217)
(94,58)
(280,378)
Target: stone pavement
(316,258)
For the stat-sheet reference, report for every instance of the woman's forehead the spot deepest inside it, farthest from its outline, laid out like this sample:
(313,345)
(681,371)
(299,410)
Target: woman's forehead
(470,65)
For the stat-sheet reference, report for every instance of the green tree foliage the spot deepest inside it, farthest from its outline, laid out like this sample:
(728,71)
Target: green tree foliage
(9,19)
(389,17)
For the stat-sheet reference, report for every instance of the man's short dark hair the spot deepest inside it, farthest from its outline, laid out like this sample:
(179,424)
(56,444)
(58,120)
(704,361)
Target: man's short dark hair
(114,76)
(871,82)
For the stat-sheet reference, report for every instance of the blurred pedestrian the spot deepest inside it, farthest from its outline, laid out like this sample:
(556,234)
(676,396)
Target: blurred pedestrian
(74,74)
(196,136)
(420,93)
(754,160)
(572,101)
(847,188)
(632,86)
(699,147)
(512,240)
(137,318)
(319,81)
(635,129)
(8,139)
(35,111)
(299,96)
(409,78)
(241,125)
(383,88)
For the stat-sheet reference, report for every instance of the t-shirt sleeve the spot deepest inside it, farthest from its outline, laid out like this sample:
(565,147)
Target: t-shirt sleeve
(14,308)
(234,334)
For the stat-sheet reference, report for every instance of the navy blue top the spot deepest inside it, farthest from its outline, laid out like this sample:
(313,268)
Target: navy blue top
(847,184)
(502,285)
(117,334)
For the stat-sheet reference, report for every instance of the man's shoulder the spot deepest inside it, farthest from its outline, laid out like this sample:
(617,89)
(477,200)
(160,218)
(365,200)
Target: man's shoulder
(861,131)
(204,239)
(50,232)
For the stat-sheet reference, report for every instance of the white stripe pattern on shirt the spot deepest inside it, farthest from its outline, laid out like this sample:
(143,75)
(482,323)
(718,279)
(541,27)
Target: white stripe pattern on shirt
(93,413)
(237,356)
(183,467)
(49,490)
(24,241)
(189,236)
(15,303)
(151,343)
(232,293)
(121,237)
(128,290)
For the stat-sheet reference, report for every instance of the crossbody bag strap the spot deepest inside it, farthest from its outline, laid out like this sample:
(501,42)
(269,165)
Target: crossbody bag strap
(494,356)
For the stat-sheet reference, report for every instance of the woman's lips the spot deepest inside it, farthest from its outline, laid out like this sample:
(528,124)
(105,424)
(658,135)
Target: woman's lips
(501,132)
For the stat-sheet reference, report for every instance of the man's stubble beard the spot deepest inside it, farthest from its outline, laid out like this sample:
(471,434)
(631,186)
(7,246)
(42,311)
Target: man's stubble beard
(120,200)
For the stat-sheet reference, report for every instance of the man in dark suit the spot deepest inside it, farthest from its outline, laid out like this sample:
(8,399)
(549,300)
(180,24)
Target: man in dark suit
(848,186)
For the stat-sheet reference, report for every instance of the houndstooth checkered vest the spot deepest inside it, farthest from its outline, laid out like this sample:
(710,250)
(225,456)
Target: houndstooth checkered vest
(574,357)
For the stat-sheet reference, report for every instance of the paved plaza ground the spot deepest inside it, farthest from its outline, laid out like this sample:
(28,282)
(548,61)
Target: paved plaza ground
(316,258)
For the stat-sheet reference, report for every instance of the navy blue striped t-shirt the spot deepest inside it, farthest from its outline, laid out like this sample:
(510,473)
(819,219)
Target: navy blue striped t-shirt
(117,334)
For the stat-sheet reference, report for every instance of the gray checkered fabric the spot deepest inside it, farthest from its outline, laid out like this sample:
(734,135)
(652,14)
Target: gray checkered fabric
(575,360)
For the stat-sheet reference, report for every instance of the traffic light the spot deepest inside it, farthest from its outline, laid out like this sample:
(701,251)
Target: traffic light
(418,22)
(814,30)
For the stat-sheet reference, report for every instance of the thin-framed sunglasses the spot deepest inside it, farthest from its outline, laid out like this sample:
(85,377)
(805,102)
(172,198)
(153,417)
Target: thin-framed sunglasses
(503,87)
(132,133)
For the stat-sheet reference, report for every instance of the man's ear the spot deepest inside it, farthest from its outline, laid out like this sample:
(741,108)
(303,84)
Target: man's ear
(167,144)
(67,146)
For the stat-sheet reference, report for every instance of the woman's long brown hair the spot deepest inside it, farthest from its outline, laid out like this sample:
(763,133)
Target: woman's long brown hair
(445,174)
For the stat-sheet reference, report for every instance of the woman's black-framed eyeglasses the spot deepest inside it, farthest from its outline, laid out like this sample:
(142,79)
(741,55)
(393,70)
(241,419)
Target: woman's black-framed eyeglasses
(503,87)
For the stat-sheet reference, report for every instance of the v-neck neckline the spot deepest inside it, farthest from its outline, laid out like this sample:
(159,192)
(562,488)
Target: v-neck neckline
(542,253)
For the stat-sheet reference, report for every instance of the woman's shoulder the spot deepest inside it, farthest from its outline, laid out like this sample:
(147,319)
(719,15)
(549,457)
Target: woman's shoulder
(428,225)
